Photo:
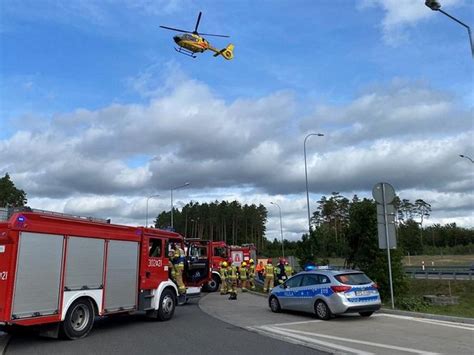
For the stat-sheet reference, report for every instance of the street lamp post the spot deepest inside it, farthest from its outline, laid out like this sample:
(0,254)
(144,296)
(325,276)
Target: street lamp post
(436,6)
(306,176)
(175,188)
(148,199)
(466,157)
(281,230)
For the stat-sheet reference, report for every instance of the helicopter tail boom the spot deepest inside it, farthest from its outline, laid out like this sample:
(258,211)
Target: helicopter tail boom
(227,52)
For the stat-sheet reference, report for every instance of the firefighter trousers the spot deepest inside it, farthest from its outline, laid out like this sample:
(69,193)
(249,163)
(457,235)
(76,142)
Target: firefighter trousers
(178,274)
(268,283)
(251,282)
(245,284)
(232,288)
(223,287)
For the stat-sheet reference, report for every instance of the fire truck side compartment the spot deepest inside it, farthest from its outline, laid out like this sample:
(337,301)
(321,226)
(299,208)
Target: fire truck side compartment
(85,261)
(38,275)
(122,276)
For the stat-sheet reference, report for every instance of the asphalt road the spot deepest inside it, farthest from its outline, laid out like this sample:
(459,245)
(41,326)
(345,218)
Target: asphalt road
(348,334)
(191,331)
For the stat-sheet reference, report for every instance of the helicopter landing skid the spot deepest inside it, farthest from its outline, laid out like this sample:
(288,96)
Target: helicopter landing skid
(185,52)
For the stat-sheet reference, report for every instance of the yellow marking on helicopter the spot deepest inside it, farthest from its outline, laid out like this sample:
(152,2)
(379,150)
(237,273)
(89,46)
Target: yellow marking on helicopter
(191,43)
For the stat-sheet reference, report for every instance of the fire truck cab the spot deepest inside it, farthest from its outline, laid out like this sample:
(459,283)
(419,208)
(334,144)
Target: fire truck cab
(60,272)
(222,252)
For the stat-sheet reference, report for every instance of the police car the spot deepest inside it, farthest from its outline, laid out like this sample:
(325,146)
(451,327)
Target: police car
(327,292)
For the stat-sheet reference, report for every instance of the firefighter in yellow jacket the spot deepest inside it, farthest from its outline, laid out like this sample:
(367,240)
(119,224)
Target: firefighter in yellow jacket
(232,280)
(177,258)
(223,274)
(269,276)
(243,277)
(251,274)
(288,269)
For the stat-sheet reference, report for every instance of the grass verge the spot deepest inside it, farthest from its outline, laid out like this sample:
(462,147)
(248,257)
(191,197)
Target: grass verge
(413,301)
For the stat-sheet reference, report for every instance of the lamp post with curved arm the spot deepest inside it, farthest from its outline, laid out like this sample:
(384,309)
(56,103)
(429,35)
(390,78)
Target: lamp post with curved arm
(281,231)
(148,199)
(175,188)
(436,6)
(306,176)
(466,157)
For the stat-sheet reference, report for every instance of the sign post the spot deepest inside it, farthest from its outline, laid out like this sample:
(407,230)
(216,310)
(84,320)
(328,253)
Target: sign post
(384,194)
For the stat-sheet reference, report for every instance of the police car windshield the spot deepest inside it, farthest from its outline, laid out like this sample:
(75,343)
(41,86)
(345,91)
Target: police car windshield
(353,279)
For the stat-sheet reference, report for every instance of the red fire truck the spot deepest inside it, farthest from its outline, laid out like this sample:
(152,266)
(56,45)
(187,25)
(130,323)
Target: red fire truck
(222,252)
(60,272)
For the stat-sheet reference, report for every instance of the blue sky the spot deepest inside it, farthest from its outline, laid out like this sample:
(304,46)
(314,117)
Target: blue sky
(78,63)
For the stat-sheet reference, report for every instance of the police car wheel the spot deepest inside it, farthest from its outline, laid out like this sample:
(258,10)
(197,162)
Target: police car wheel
(366,314)
(167,305)
(79,320)
(322,310)
(275,305)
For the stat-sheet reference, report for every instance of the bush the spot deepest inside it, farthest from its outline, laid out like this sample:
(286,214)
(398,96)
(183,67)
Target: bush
(412,304)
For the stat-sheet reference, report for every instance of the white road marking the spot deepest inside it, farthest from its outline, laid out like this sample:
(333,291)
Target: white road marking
(301,322)
(305,339)
(385,346)
(431,321)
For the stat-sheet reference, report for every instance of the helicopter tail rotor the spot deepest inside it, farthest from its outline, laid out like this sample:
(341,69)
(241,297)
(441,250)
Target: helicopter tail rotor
(227,52)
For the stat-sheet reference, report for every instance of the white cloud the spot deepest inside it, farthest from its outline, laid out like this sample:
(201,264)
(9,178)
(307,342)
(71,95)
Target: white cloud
(401,14)
(404,133)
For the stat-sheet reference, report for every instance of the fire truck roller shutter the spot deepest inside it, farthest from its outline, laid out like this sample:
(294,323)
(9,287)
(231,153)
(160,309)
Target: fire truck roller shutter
(85,263)
(38,275)
(121,276)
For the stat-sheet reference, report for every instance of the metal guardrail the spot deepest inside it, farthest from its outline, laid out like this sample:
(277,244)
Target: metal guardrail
(441,274)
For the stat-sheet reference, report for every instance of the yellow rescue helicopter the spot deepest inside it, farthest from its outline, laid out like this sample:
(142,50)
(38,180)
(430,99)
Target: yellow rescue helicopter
(192,42)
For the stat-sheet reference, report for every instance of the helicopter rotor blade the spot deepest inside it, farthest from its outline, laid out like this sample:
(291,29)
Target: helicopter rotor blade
(197,22)
(175,29)
(210,34)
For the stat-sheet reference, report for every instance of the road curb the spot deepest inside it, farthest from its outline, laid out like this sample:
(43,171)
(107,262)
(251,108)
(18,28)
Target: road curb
(428,316)
(257,293)
(4,339)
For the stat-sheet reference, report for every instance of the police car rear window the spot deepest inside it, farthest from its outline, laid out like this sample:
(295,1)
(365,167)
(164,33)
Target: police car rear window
(353,279)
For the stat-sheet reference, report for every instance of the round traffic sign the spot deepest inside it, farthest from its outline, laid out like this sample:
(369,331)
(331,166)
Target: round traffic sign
(377,192)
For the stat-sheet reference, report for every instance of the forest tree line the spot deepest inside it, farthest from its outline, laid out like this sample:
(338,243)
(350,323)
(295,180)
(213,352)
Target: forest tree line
(230,222)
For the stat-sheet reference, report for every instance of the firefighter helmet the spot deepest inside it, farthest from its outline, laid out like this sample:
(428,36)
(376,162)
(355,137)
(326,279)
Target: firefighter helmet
(224,263)
(244,264)
(251,261)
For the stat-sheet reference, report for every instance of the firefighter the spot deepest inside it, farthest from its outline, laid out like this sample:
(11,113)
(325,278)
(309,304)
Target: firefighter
(178,266)
(269,276)
(243,277)
(232,280)
(223,273)
(288,269)
(251,275)
(280,275)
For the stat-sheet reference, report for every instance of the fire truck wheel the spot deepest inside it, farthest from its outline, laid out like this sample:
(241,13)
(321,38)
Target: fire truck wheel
(213,285)
(79,320)
(167,305)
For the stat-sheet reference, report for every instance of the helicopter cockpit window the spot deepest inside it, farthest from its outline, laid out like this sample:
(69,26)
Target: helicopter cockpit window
(189,38)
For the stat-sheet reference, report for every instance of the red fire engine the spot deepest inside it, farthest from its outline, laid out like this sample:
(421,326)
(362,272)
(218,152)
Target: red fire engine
(61,271)
(222,252)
